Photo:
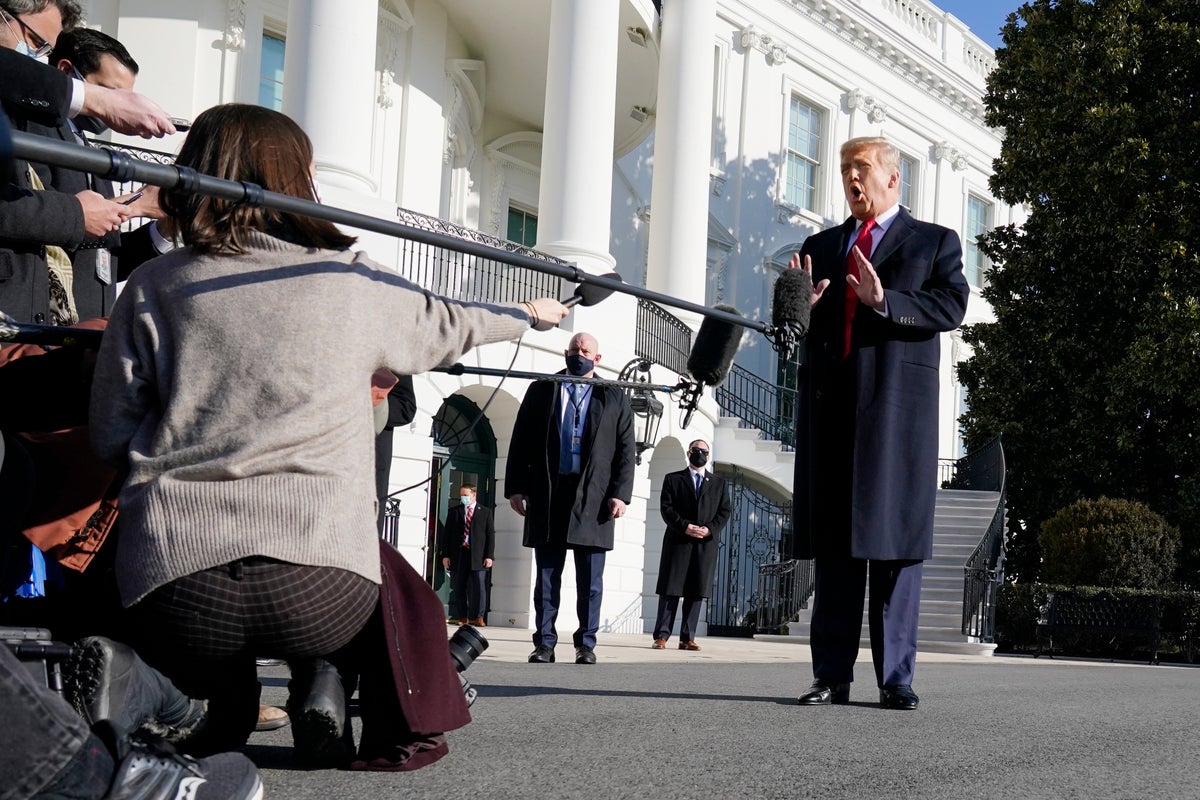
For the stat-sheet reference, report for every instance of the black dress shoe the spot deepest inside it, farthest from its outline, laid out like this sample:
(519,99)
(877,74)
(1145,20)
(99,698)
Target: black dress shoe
(585,655)
(823,693)
(899,696)
(542,655)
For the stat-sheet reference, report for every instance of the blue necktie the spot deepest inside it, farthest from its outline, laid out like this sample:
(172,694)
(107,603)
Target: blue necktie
(699,482)
(566,462)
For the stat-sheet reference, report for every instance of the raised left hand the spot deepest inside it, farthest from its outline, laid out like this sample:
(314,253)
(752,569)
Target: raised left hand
(867,286)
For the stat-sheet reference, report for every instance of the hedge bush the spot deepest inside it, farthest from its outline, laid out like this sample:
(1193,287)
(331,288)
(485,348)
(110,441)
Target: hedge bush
(1106,542)
(1018,607)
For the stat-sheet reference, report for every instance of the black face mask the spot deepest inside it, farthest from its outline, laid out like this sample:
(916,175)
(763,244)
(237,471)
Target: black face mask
(89,124)
(579,366)
(697,458)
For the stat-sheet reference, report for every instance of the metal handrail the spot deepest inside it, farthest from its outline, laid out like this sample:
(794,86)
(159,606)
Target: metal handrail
(759,404)
(983,572)
(662,337)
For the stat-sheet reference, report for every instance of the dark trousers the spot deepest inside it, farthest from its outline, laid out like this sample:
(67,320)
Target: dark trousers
(893,616)
(547,593)
(203,631)
(469,587)
(665,622)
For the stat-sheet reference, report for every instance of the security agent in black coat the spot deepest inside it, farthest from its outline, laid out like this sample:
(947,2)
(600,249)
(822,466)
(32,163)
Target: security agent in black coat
(866,427)
(573,509)
(467,553)
(695,505)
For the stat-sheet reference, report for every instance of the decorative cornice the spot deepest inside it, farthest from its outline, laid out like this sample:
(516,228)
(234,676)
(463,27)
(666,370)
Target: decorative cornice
(764,43)
(875,111)
(947,152)
(235,25)
(850,28)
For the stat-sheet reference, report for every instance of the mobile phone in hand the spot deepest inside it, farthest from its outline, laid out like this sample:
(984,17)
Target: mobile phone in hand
(180,124)
(132,198)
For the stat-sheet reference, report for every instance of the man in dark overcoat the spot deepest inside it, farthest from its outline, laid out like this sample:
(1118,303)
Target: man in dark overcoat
(884,287)
(570,475)
(695,505)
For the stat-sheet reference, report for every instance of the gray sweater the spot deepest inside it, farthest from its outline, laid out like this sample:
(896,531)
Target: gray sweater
(237,388)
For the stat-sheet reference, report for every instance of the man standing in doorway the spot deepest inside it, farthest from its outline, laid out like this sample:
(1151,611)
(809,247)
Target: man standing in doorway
(570,475)
(467,550)
(695,505)
(885,286)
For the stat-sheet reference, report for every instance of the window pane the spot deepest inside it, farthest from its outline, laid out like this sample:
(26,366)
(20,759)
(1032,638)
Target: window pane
(804,146)
(270,81)
(908,168)
(979,213)
(522,227)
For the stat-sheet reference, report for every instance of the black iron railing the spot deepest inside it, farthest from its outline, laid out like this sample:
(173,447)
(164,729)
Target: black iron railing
(662,337)
(983,573)
(463,276)
(759,404)
(784,588)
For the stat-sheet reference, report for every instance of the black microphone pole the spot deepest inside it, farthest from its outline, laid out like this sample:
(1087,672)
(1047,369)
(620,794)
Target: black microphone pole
(462,369)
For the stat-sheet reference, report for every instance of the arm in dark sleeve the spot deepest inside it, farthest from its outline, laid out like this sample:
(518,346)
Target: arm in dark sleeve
(724,510)
(941,302)
(32,90)
(402,402)
(489,540)
(28,216)
(624,450)
(518,471)
(667,506)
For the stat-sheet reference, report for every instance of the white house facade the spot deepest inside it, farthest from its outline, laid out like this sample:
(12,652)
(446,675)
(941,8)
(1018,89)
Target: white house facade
(690,145)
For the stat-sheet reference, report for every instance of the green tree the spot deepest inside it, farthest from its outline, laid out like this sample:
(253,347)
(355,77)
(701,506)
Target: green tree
(1092,367)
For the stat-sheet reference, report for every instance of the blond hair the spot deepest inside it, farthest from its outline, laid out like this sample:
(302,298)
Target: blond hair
(889,156)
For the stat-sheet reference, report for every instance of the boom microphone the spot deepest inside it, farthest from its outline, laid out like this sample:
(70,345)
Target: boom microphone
(589,294)
(711,358)
(791,310)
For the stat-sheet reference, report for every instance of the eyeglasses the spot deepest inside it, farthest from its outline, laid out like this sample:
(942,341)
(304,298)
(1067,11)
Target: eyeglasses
(42,49)
(698,451)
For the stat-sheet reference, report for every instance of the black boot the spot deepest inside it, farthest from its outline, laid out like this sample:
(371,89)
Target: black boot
(318,704)
(106,680)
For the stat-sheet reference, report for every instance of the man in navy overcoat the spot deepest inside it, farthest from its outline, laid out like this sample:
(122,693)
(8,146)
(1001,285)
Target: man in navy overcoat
(885,286)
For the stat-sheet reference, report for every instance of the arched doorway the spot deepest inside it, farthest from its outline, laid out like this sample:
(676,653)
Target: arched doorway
(464,451)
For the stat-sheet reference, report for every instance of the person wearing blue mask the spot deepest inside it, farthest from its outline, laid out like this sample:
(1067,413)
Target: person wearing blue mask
(570,475)
(467,549)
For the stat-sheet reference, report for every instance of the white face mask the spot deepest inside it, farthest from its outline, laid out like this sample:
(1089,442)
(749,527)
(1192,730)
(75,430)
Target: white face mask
(23,47)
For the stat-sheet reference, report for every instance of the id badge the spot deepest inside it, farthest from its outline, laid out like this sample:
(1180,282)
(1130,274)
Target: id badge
(575,442)
(104,266)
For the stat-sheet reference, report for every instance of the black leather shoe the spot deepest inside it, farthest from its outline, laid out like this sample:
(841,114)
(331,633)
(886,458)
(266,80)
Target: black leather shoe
(542,655)
(585,655)
(899,696)
(823,693)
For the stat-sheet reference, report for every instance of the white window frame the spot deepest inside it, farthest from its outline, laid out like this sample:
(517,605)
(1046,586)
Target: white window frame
(969,236)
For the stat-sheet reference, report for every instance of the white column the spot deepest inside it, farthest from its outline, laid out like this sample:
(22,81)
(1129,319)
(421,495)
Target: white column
(676,263)
(329,85)
(575,191)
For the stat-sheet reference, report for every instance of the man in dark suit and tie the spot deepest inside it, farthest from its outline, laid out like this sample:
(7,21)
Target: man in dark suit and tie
(695,505)
(468,547)
(885,286)
(570,475)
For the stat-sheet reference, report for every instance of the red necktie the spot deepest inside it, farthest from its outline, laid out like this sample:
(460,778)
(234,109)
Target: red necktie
(467,527)
(863,243)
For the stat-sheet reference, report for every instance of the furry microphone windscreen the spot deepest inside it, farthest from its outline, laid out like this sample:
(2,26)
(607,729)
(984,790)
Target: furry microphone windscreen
(792,301)
(716,344)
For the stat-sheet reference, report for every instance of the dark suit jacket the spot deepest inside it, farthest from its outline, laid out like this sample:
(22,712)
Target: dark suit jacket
(606,464)
(866,427)
(483,535)
(687,565)
(32,93)
(93,297)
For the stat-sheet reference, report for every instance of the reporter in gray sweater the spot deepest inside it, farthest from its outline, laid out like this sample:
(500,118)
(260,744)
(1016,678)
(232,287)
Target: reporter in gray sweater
(233,384)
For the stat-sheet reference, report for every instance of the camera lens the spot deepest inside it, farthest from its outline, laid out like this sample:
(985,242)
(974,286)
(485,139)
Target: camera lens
(465,646)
